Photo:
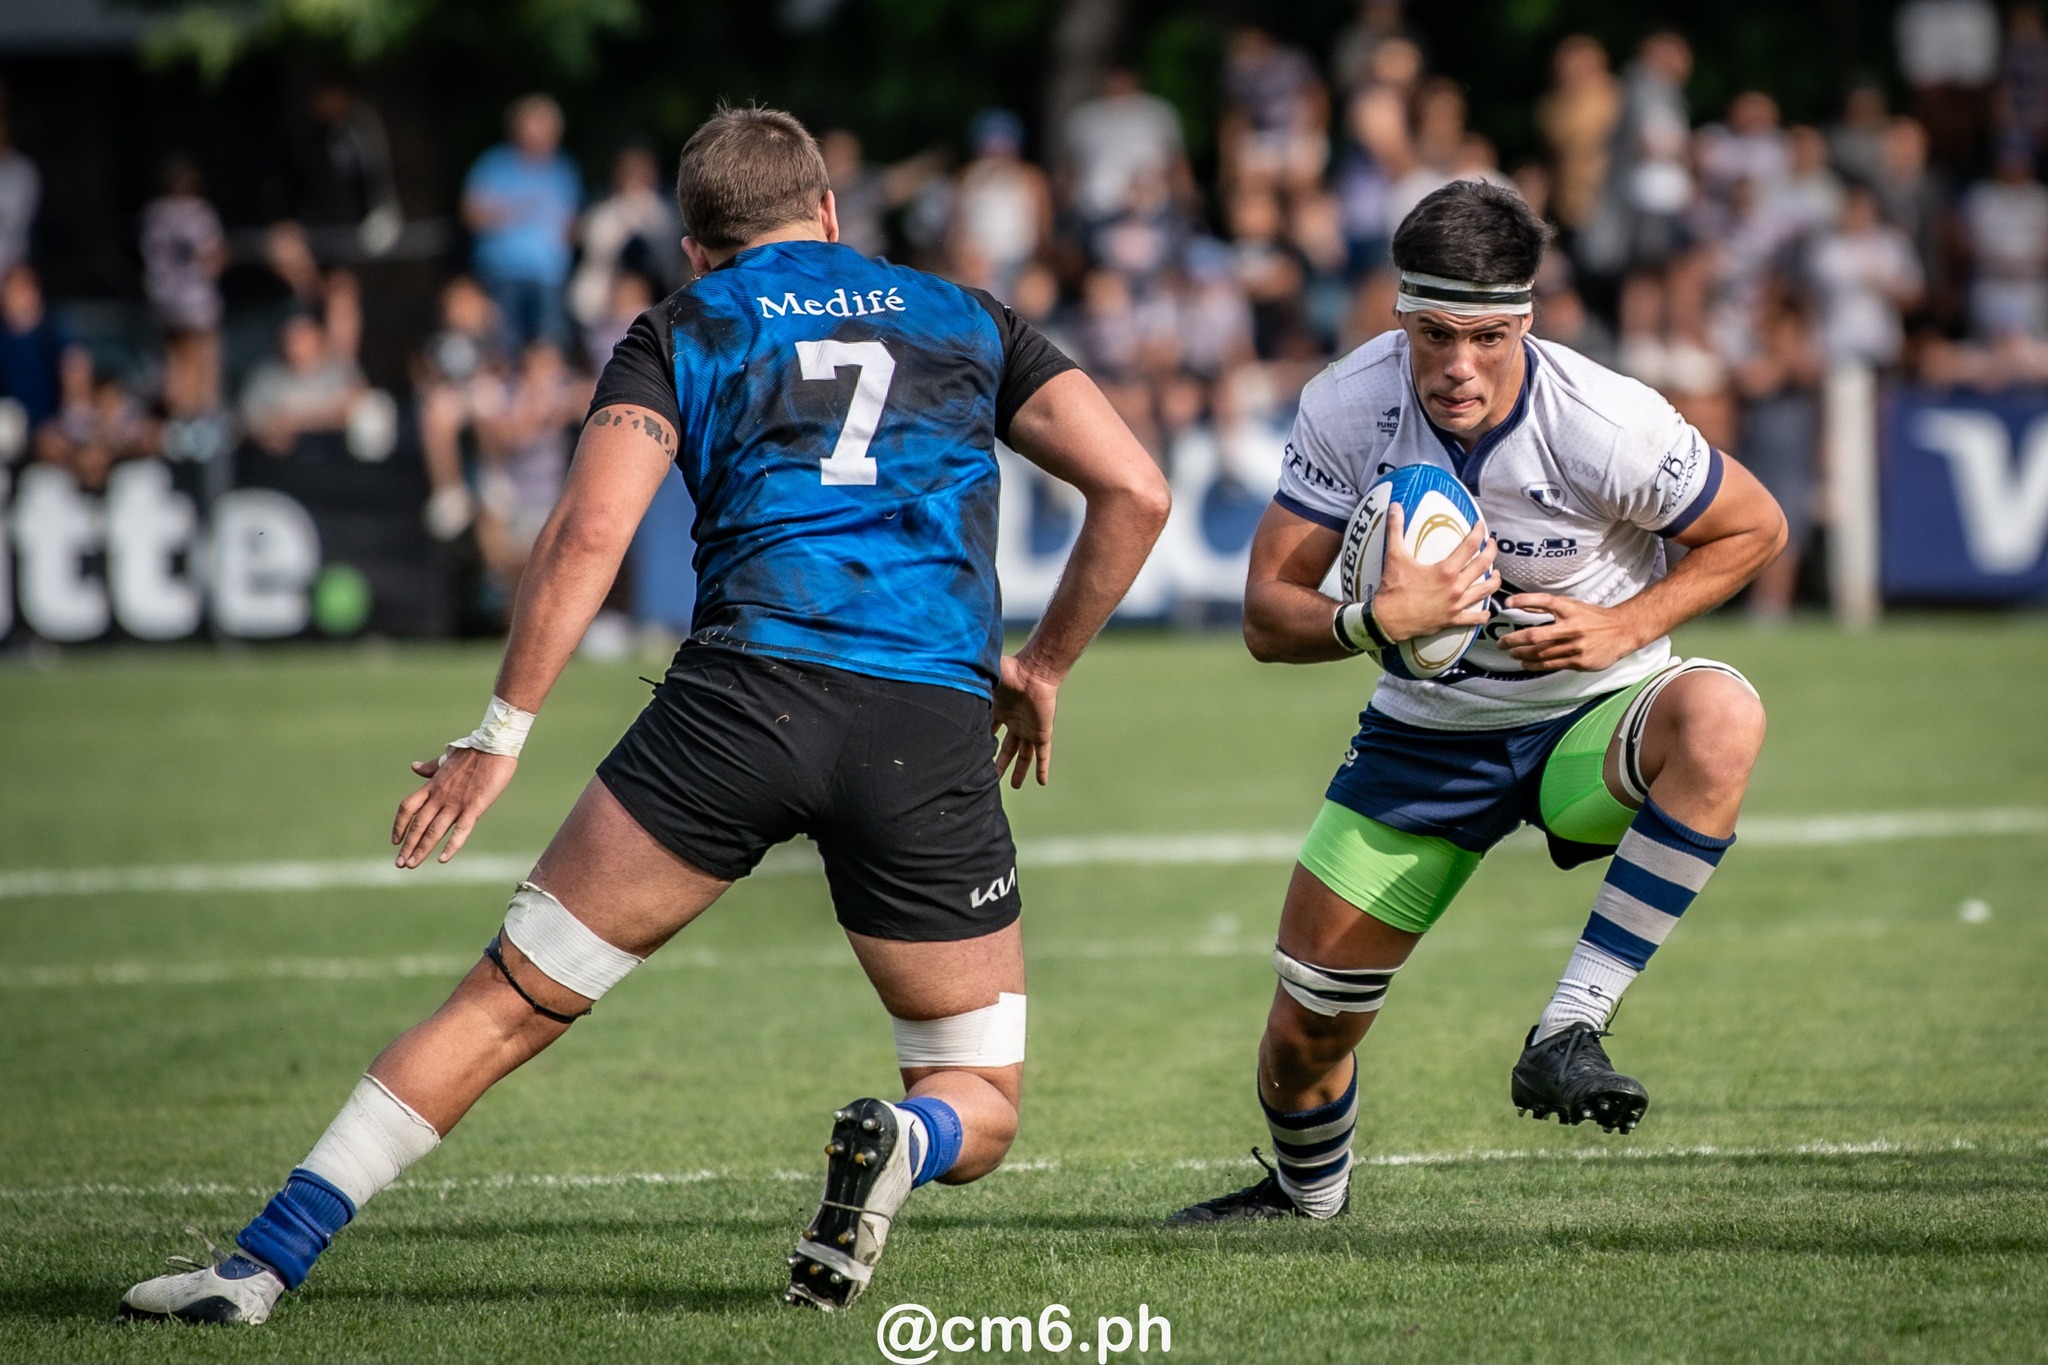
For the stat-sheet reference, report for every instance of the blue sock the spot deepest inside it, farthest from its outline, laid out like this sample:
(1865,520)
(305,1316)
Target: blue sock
(942,1128)
(296,1226)
(1661,865)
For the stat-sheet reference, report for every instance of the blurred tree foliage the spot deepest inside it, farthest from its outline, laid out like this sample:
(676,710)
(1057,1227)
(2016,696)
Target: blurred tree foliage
(911,72)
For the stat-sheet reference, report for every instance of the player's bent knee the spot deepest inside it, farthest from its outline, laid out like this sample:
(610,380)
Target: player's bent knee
(562,948)
(986,1039)
(1721,723)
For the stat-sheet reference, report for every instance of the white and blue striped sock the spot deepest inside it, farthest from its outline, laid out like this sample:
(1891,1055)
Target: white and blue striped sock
(1660,866)
(1312,1150)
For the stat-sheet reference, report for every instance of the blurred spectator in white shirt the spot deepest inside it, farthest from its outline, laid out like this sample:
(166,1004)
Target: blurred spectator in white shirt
(2005,230)
(633,229)
(1867,278)
(183,254)
(1948,53)
(1118,136)
(1002,207)
(1577,117)
(1856,138)
(1748,146)
(309,388)
(1276,119)
(1808,196)
(21,193)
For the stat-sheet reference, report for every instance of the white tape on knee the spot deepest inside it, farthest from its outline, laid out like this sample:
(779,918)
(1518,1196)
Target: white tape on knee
(562,946)
(990,1036)
(1636,719)
(370,1143)
(1331,991)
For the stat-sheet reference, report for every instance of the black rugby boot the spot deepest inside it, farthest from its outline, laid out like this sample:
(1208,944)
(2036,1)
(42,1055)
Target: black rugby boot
(1263,1200)
(1568,1074)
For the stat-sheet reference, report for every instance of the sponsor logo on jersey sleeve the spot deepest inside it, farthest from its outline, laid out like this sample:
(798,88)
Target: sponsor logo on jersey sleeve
(1314,475)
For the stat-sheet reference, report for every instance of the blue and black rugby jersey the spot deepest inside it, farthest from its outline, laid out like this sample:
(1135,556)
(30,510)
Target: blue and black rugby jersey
(837,419)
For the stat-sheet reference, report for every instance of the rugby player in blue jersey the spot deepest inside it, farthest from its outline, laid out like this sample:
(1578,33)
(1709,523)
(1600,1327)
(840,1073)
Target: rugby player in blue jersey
(835,419)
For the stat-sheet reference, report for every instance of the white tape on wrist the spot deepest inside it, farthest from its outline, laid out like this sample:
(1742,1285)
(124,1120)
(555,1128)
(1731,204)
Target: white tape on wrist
(503,731)
(1351,629)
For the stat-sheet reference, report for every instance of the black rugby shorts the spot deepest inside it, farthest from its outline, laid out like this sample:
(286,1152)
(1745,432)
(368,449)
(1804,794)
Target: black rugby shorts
(895,782)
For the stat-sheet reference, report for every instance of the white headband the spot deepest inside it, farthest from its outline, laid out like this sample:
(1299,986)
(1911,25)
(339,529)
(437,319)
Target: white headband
(1434,294)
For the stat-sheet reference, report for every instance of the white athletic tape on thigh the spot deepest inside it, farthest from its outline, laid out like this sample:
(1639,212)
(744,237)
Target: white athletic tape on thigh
(503,731)
(1636,718)
(370,1143)
(1331,990)
(990,1036)
(562,946)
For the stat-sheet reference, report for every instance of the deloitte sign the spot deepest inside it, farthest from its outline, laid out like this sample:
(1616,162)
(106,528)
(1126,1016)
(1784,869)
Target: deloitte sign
(142,561)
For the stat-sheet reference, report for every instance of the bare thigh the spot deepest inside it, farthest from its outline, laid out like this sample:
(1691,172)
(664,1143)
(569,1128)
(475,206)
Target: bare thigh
(939,980)
(612,875)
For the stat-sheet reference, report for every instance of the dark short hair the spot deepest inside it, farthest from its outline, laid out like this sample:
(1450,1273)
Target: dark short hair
(1472,230)
(747,172)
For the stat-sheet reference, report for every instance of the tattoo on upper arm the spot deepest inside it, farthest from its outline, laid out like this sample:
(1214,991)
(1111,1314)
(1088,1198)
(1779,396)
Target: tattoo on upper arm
(656,431)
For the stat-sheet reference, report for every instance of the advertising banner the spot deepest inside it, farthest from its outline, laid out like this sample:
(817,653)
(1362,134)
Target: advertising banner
(1964,496)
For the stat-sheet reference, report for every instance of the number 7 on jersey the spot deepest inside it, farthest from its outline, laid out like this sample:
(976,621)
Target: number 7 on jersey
(849,462)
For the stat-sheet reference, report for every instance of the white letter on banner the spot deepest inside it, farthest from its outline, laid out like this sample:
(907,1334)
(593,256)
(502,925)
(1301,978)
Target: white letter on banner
(266,551)
(56,527)
(148,522)
(2003,508)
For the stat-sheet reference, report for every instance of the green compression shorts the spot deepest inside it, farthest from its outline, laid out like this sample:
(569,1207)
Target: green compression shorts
(1408,880)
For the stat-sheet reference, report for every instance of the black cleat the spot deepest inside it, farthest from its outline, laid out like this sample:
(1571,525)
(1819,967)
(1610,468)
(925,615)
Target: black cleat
(867,1178)
(1568,1074)
(1263,1200)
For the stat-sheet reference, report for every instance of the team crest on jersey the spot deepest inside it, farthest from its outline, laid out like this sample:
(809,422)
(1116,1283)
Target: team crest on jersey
(1390,421)
(1547,496)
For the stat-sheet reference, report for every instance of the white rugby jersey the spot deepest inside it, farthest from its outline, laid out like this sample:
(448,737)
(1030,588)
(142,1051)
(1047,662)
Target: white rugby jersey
(1580,486)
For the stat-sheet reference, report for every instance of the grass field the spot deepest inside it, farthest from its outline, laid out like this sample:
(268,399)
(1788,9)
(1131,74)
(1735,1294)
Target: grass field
(1846,1157)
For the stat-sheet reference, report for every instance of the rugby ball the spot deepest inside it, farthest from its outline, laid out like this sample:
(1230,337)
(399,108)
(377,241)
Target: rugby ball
(1436,515)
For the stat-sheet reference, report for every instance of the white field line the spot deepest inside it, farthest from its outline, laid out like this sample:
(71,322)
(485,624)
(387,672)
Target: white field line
(1471,1156)
(1137,850)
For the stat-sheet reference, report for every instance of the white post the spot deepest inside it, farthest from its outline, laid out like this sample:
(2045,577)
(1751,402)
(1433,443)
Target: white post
(1850,421)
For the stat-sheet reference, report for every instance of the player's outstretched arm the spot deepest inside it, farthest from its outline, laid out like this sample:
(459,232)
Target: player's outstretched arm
(1069,430)
(1730,543)
(620,461)
(1288,619)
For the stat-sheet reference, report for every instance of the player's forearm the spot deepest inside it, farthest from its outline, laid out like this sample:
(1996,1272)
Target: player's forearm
(565,582)
(1709,575)
(1286,623)
(1117,533)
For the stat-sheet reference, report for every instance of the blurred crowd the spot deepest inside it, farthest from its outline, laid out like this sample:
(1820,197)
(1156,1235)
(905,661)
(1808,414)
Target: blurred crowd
(1721,255)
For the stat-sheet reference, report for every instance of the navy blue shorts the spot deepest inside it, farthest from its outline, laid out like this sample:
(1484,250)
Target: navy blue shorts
(1470,788)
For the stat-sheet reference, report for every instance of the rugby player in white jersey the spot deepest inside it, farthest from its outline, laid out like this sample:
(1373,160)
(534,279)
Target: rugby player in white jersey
(1569,712)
